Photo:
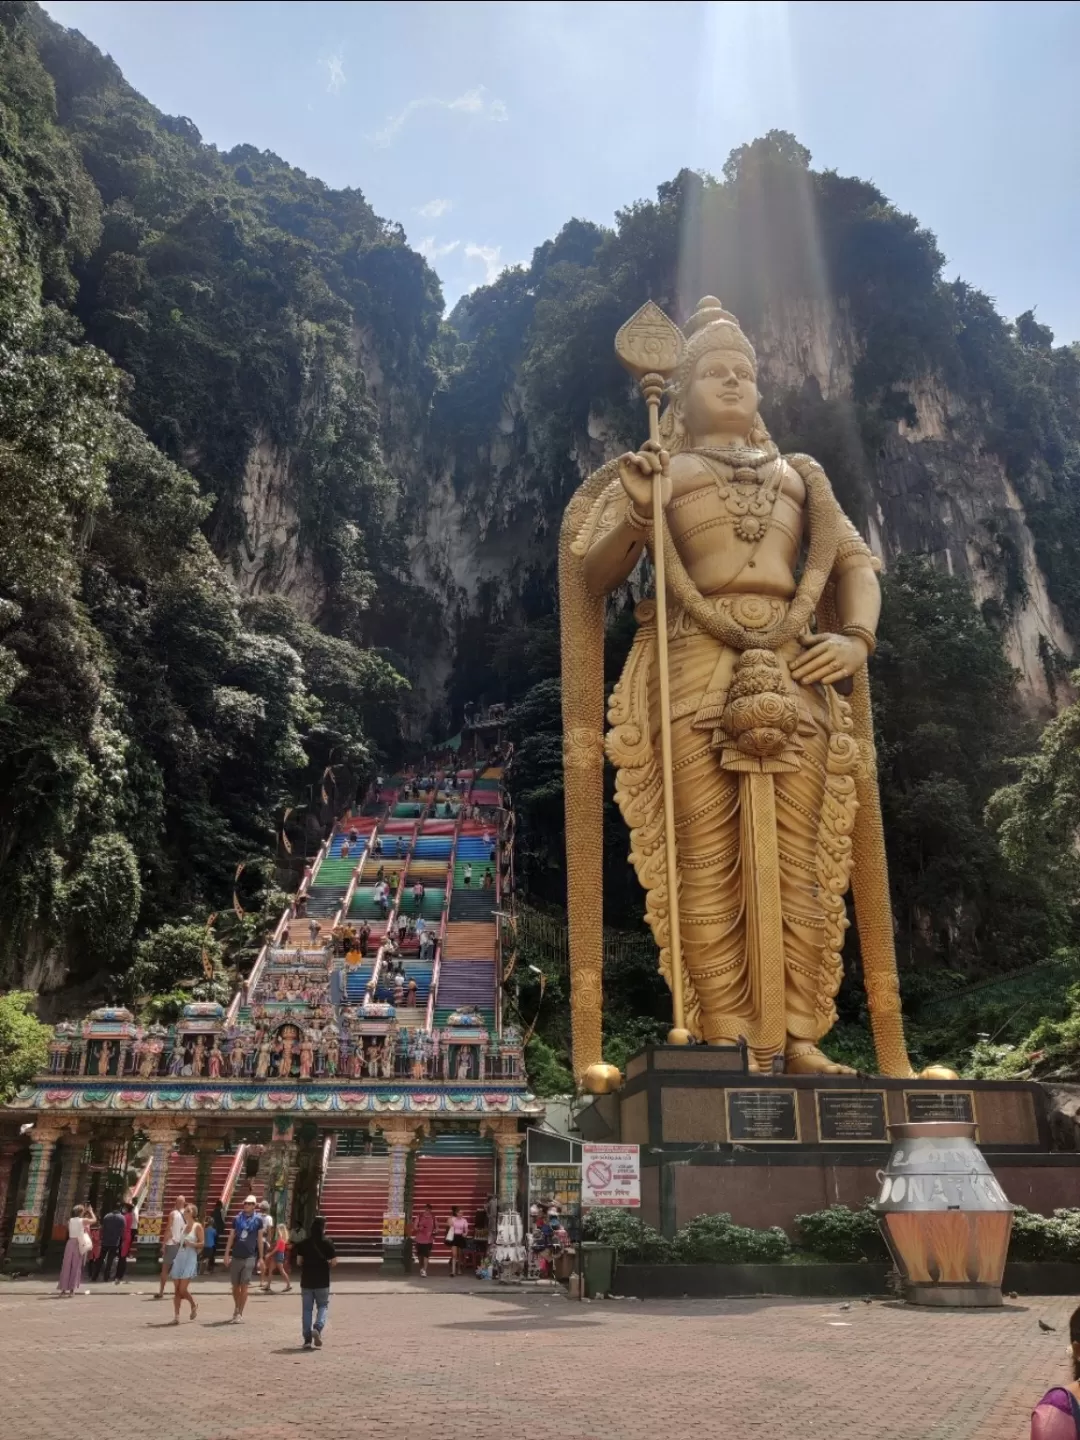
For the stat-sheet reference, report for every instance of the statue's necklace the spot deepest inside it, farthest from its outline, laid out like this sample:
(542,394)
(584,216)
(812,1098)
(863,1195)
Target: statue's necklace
(748,482)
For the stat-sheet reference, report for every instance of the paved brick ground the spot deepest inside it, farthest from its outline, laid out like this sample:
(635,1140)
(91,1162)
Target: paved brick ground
(405,1361)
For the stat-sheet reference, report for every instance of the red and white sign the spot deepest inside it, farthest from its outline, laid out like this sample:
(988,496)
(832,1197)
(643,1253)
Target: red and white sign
(610,1175)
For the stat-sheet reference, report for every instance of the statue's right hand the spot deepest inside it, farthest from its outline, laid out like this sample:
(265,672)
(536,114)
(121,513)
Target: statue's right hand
(637,471)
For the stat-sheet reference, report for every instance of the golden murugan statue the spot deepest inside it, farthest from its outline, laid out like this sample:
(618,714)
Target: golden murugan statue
(771,783)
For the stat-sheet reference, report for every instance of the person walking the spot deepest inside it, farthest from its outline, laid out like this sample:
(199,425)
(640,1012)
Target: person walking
(466,875)
(76,1250)
(112,1237)
(174,1235)
(243,1249)
(186,1264)
(1057,1415)
(424,1237)
(457,1237)
(315,1255)
(278,1259)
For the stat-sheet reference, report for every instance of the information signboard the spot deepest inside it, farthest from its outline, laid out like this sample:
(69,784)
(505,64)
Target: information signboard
(610,1175)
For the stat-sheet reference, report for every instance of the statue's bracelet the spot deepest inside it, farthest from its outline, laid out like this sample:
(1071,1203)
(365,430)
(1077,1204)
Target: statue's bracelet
(636,521)
(860,632)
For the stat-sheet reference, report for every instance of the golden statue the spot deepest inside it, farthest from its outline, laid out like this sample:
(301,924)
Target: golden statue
(742,768)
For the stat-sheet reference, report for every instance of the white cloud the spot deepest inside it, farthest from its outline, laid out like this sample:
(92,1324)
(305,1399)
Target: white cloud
(490,255)
(435,209)
(472,102)
(334,65)
(432,252)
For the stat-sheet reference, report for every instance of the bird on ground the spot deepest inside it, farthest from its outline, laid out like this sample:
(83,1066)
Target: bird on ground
(1043,1326)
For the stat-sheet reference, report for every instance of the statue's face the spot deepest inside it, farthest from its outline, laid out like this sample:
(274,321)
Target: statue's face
(722,394)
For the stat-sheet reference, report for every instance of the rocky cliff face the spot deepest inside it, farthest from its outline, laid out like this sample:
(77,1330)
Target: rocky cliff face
(933,487)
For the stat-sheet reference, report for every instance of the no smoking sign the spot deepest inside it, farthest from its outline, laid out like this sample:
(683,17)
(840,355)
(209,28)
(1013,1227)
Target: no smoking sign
(611,1175)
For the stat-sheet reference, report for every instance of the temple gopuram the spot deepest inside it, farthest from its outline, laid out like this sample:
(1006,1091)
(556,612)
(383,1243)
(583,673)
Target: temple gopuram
(362,1069)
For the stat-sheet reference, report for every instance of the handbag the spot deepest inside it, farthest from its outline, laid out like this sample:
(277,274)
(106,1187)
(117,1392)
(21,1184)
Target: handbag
(450,1236)
(86,1243)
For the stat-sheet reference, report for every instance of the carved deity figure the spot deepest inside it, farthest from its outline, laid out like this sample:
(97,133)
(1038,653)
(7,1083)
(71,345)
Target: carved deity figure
(213,1061)
(236,1058)
(772,604)
(262,1060)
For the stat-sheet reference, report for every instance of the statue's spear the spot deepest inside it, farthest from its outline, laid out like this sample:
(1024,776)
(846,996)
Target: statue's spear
(650,346)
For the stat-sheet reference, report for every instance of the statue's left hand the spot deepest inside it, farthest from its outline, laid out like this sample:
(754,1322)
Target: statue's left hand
(829,658)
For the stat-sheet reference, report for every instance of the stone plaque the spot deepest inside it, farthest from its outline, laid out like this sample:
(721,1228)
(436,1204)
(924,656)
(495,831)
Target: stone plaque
(854,1117)
(940,1105)
(763,1115)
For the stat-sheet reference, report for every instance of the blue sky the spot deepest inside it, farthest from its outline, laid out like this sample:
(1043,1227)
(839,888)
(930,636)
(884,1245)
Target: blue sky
(483,127)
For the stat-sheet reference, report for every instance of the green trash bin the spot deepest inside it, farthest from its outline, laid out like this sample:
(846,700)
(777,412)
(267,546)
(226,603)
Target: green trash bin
(598,1264)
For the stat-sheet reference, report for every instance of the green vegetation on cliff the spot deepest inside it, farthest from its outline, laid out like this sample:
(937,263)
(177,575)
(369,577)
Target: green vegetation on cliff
(155,727)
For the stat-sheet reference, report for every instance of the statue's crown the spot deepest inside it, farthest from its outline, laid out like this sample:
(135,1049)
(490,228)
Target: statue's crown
(709,311)
(711,327)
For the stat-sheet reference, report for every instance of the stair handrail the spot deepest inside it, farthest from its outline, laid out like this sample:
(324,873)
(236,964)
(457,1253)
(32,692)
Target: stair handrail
(444,920)
(247,987)
(140,1183)
(231,1178)
(327,1151)
(498,926)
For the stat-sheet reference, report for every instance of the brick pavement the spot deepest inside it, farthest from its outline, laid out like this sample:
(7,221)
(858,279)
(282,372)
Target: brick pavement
(404,1359)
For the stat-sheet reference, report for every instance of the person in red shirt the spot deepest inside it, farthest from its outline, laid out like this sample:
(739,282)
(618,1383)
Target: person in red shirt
(424,1236)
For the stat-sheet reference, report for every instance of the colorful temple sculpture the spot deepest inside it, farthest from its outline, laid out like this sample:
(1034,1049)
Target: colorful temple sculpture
(362,1068)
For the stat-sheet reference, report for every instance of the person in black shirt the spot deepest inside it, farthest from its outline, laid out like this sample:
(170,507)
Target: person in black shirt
(316,1254)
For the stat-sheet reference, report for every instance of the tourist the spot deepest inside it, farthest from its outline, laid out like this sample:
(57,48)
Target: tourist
(268,1237)
(76,1250)
(131,1229)
(467,874)
(315,1254)
(112,1237)
(346,850)
(278,1259)
(423,1230)
(313,931)
(376,848)
(489,879)
(212,1229)
(186,1264)
(418,894)
(174,1235)
(457,1237)
(243,1249)
(1057,1415)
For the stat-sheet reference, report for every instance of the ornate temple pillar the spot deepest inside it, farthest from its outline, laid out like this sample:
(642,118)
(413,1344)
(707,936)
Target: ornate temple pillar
(280,1160)
(508,1149)
(71,1149)
(401,1137)
(28,1244)
(162,1135)
(206,1147)
(11,1146)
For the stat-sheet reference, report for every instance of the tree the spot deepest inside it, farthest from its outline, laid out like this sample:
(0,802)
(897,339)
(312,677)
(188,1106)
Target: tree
(24,1042)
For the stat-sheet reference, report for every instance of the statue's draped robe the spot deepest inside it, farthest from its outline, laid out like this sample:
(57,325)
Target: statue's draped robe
(764,843)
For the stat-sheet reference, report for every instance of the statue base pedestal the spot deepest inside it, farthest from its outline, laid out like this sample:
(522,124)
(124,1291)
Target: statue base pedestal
(765,1148)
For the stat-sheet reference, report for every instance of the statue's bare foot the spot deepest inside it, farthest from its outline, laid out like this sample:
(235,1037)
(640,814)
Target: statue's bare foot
(802,1058)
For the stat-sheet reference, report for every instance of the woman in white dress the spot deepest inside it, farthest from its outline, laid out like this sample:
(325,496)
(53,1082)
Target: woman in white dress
(186,1265)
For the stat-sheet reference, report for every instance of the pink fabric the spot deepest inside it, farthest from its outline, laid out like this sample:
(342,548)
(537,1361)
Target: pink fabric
(72,1268)
(1052,1417)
